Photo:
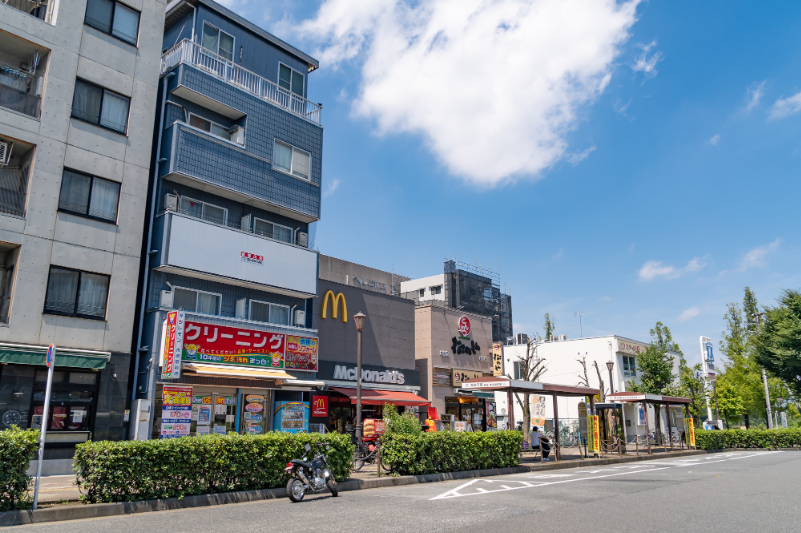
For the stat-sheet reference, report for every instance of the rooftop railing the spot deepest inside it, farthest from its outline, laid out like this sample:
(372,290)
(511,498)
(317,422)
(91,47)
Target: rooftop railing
(40,10)
(20,91)
(192,53)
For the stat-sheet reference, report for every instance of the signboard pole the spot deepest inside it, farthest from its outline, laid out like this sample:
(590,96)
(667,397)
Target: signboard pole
(50,360)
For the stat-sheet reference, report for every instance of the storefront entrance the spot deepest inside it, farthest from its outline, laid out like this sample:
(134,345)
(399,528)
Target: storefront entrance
(468,410)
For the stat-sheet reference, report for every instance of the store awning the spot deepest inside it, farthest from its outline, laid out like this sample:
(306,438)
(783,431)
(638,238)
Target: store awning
(381,397)
(235,371)
(24,354)
(632,397)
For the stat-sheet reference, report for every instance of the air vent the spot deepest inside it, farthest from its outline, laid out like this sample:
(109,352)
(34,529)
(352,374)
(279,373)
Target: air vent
(300,318)
(246,223)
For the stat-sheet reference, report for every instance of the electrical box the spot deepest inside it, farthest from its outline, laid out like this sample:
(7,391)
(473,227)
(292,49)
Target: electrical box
(241,309)
(303,239)
(165,300)
(300,318)
(170,202)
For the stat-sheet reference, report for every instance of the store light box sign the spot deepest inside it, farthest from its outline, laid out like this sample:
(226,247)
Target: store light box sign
(225,345)
(176,412)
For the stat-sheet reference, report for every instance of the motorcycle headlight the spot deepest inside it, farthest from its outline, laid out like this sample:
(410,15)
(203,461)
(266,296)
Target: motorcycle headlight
(326,473)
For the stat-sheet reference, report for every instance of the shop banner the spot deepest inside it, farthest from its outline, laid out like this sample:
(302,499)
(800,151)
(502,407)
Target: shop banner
(492,417)
(457,375)
(497,359)
(594,444)
(173,344)
(690,434)
(320,406)
(538,411)
(176,412)
(291,417)
(582,411)
(223,345)
(301,353)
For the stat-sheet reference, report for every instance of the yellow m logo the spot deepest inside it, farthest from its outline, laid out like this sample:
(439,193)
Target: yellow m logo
(337,299)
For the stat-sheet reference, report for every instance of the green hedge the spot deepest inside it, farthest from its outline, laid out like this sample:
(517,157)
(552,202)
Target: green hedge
(750,438)
(451,451)
(17,449)
(145,470)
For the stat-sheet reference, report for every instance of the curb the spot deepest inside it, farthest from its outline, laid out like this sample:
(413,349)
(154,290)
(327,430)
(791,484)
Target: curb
(101,510)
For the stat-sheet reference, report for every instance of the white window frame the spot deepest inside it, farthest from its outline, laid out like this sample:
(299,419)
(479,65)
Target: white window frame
(225,217)
(196,291)
(270,304)
(431,290)
(421,292)
(201,117)
(217,51)
(627,361)
(294,71)
(291,231)
(292,164)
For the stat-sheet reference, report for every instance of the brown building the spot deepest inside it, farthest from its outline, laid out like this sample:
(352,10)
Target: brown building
(451,346)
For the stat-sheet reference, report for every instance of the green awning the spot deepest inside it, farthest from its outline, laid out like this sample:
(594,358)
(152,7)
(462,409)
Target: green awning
(477,394)
(35,355)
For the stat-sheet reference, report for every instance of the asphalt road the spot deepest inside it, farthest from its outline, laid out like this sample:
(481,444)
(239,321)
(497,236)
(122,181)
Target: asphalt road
(743,491)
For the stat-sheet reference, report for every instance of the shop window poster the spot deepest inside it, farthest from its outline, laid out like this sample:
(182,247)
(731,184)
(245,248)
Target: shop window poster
(291,417)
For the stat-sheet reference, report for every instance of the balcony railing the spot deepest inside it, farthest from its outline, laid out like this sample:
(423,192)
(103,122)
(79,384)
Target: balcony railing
(20,91)
(13,185)
(40,10)
(192,53)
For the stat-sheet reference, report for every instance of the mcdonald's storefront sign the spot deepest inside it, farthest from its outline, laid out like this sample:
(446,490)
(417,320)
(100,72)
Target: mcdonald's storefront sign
(337,301)
(320,406)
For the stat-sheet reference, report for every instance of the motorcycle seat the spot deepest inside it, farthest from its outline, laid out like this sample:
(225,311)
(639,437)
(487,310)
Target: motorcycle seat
(301,463)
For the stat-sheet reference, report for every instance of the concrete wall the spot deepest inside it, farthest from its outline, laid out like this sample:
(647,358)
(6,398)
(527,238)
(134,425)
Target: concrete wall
(360,276)
(414,285)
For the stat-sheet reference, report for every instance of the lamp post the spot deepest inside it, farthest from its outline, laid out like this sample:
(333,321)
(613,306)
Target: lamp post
(359,319)
(609,366)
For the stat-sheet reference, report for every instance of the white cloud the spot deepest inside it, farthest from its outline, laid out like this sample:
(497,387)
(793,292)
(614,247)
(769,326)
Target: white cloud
(714,140)
(575,159)
(784,107)
(755,94)
(492,86)
(645,64)
(655,269)
(692,312)
(756,258)
(333,186)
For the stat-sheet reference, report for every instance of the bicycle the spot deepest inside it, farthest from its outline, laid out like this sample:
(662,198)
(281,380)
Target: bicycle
(366,453)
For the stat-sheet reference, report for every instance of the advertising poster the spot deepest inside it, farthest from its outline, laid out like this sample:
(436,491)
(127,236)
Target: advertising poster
(492,417)
(640,415)
(224,345)
(690,435)
(173,344)
(594,444)
(255,414)
(538,411)
(176,411)
(291,417)
(301,353)
(320,406)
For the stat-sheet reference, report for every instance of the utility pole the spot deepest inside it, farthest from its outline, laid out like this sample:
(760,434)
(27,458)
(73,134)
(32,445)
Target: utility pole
(581,327)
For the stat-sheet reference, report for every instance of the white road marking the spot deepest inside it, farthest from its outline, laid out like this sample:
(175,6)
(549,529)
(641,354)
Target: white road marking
(457,492)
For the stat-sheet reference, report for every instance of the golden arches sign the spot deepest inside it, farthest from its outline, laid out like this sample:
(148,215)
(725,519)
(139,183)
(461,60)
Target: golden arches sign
(336,300)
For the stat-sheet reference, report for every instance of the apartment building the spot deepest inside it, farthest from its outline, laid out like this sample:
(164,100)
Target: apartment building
(229,274)
(78,83)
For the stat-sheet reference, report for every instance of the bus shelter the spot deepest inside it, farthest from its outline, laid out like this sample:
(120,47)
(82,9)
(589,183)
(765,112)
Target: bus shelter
(512,386)
(654,399)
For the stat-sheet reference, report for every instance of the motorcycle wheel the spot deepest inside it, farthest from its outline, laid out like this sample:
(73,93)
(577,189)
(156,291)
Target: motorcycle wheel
(332,486)
(294,489)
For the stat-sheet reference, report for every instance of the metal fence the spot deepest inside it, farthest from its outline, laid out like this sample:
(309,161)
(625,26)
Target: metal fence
(40,10)
(192,53)
(13,190)
(20,91)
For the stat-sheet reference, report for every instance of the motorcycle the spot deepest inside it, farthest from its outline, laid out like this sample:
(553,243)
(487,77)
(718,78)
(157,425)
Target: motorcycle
(314,476)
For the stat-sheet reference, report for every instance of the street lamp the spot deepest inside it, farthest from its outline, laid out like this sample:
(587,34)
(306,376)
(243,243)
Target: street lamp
(609,366)
(358,318)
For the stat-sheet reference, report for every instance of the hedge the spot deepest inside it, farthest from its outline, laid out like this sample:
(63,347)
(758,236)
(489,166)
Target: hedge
(451,451)
(145,470)
(747,438)
(18,448)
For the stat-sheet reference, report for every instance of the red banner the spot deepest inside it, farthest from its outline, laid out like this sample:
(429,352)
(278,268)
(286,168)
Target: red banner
(204,343)
(320,406)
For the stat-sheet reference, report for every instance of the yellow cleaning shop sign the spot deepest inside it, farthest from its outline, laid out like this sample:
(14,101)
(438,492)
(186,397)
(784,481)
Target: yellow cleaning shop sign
(336,299)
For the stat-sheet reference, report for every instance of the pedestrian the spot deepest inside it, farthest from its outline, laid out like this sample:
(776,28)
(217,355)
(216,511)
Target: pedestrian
(540,441)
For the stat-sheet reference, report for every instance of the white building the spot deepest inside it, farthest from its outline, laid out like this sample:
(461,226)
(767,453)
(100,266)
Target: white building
(562,361)
(427,289)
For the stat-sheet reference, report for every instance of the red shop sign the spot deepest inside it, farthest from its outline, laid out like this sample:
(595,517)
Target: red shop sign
(320,406)
(204,343)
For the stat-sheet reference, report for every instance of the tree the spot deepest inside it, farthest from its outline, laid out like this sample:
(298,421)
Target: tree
(730,403)
(778,344)
(531,367)
(584,379)
(691,385)
(656,365)
(549,326)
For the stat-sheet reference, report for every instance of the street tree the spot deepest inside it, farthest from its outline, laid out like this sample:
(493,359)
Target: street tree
(584,378)
(530,368)
(778,344)
(691,385)
(729,402)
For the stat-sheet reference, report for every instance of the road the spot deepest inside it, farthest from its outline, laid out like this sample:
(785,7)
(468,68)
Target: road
(743,491)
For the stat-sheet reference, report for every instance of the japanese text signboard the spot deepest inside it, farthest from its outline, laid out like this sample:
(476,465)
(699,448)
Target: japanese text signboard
(173,344)
(690,436)
(594,441)
(301,353)
(176,412)
(497,359)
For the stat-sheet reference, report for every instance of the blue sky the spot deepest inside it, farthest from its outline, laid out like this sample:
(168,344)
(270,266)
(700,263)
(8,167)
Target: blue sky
(633,162)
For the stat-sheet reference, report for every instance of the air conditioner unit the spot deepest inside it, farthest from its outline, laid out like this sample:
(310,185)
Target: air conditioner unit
(562,337)
(241,309)
(303,239)
(300,318)
(170,202)
(237,134)
(246,222)
(5,153)
(166,299)
(521,338)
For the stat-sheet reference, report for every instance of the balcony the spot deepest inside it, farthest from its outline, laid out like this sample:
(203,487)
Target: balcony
(14,177)
(40,10)
(22,66)
(215,252)
(193,54)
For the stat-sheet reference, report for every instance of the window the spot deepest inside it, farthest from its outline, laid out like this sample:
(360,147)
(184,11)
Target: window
(629,366)
(267,312)
(218,41)
(273,231)
(209,126)
(76,293)
(518,370)
(100,106)
(290,159)
(202,210)
(113,18)
(9,256)
(422,292)
(89,196)
(194,301)
(436,290)
(290,79)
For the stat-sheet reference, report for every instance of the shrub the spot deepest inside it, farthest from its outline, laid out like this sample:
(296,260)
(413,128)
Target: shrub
(17,449)
(144,470)
(406,423)
(451,451)
(750,438)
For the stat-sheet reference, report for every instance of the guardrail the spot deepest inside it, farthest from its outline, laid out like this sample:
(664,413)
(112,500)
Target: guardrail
(20,91)
(192,53)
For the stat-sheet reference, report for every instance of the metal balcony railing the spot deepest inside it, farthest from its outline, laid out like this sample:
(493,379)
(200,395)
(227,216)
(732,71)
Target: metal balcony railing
(40,10)
(13,191)
(192,53)
(20,91)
